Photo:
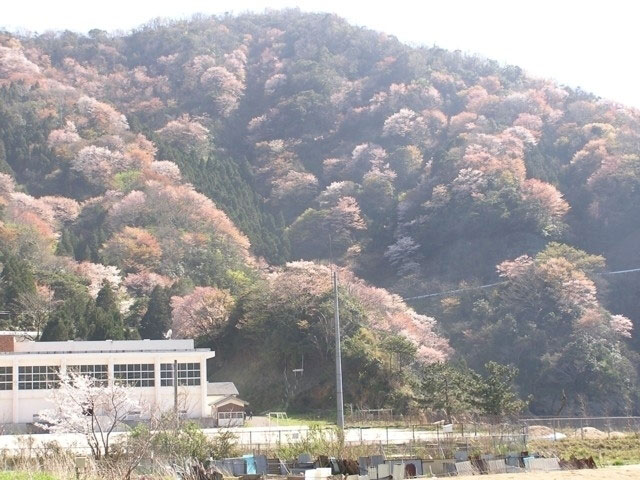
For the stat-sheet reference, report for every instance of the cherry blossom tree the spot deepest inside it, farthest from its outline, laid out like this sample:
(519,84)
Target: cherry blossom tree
(224,88)
(65,210)
(62,141)
(143,282)
(621,325)
(294,187)
(128,210)
(236,61)
(7,187)
(299,282)
(346,215)
(22,203)
(102,116)
(167,170)
(186,132)
(335,191)
(84,406)
(545,205)
(98,164)
(514,269)
(569,287)
(133,249)
(496,153)
(400,123)
(14,66)
(272,84)
(479,100)
(205,312)
(26,210)
(97,274)
(402,254)
(462,122)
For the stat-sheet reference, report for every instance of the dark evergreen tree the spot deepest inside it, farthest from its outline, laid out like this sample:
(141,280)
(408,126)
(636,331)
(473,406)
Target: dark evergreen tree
(17,280)
(105,325)
(58,328)
(65,244)
(157,319)
(105,320)
(68,321)
(106,298)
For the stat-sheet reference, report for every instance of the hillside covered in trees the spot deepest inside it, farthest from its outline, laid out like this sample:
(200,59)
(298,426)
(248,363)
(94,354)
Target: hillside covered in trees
(204,176)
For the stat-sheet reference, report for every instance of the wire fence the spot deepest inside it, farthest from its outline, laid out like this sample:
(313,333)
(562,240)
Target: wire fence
(558,428)
(436,440)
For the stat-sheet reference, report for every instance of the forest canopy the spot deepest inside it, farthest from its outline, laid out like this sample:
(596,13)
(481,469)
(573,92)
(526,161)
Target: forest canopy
(206,176)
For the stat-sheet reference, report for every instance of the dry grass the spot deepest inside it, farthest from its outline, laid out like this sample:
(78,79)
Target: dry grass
(610,473)
(618,450)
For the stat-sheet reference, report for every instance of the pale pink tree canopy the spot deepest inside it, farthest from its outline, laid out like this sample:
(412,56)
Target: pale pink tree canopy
(203,312)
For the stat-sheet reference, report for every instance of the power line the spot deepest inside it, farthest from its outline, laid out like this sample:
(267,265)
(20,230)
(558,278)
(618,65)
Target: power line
(490,285)
(619,271)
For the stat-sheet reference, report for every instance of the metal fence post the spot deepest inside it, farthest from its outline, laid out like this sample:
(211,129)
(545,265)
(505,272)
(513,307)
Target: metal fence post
(387,436)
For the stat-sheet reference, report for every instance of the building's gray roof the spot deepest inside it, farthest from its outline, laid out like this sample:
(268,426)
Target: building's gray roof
(221,388)
(24,347)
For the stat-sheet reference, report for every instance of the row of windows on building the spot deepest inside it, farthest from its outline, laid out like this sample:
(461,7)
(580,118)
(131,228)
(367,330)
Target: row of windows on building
(40,377)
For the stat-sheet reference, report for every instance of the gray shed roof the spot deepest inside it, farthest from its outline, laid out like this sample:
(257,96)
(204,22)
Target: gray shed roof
(221,388)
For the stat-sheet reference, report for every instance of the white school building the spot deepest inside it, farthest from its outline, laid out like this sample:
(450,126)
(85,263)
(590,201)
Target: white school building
(28,370)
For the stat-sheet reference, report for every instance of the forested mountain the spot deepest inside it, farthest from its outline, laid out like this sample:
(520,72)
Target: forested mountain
(203,175)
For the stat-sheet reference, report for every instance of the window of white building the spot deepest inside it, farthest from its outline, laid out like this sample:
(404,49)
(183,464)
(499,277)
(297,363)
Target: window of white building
(38,377)
(134,374)
(188,374)
(6,378)
(230,415)
(100,373)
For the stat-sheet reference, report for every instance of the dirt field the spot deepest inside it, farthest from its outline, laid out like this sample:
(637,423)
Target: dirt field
(610,473)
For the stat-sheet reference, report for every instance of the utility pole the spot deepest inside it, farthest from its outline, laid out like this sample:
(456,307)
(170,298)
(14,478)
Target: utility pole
(339,398)
(175,392)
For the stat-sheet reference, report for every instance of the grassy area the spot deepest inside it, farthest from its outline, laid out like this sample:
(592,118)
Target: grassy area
(26,476)
(608,451)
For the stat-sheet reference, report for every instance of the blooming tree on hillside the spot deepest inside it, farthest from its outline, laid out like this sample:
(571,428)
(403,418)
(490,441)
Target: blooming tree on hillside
(203,312)
(133,249)
(186,132)
(102,116)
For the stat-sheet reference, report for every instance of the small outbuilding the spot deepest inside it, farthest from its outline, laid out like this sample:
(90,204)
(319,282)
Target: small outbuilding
(225,405)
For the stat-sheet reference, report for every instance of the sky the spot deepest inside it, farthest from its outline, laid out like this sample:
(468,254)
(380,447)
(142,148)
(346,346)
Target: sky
(592,44)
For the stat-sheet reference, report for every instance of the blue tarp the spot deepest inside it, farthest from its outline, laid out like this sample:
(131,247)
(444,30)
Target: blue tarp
(251,464)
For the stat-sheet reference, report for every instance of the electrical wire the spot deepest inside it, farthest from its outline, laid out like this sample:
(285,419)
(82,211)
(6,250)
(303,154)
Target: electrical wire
(619,271)
(490,285)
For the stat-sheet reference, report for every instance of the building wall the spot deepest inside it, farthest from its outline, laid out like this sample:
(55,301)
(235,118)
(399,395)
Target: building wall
(20,406)
(6,343)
